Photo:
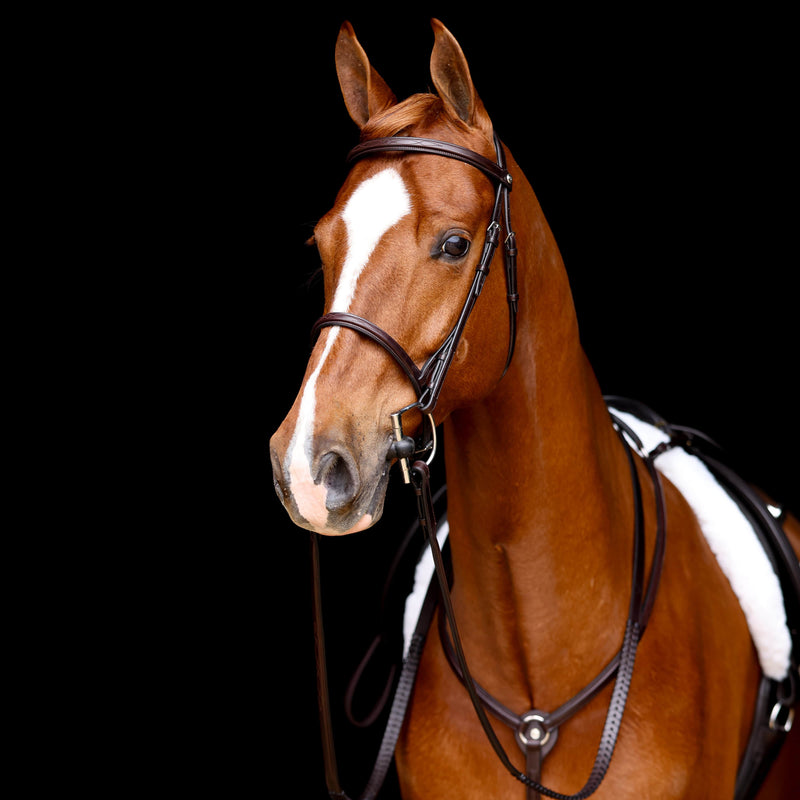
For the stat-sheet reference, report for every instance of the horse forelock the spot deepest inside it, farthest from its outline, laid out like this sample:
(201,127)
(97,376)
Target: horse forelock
(417,111)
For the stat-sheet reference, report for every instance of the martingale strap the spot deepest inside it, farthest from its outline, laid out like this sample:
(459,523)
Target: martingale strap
(537,731)
(534,723)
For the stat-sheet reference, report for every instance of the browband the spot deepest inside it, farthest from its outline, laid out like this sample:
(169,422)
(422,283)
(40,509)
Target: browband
(412,144)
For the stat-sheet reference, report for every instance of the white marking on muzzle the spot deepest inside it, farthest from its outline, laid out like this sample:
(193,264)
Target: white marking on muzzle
(374,207)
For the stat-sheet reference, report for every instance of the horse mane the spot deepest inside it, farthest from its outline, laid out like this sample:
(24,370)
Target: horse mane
(400,118)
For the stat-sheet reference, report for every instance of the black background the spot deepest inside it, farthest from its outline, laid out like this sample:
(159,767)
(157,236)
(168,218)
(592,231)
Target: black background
(658,146)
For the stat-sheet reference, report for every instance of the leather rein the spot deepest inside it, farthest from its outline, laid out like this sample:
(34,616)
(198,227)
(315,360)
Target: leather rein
(536,731)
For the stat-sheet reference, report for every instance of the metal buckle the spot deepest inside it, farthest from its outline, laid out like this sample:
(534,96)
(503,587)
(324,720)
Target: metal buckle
(531,731)
(786,725)
(493,231)
(404,447)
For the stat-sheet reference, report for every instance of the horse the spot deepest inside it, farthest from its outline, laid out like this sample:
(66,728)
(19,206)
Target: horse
(543,487)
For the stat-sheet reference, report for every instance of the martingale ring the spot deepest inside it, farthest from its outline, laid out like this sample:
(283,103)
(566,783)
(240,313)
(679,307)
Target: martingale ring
(532,732)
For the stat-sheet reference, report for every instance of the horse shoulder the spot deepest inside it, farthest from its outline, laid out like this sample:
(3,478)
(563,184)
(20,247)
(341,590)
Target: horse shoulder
(443,752)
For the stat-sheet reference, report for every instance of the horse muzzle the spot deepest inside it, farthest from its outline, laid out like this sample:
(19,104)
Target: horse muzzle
(327,488)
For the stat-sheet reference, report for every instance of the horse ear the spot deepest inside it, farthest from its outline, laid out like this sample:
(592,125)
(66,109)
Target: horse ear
(450,73)
(365,92)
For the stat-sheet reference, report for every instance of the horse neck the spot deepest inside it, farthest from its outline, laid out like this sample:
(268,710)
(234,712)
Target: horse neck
(539,498)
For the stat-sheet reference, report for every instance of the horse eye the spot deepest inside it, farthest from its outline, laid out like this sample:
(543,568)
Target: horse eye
(455,246)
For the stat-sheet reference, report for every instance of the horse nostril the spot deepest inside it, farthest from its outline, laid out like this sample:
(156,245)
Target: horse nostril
(277,477)
(337,473)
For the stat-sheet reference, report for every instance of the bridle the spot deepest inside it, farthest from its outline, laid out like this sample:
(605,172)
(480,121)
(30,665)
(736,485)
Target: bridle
(428,380)
(536,731)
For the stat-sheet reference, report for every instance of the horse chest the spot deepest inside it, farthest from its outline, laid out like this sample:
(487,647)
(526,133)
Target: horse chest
(662,749)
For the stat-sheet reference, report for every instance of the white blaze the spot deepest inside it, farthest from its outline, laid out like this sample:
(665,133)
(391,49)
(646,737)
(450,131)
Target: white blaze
(373,208)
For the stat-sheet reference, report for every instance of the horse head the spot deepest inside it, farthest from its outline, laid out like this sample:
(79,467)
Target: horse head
(399,248)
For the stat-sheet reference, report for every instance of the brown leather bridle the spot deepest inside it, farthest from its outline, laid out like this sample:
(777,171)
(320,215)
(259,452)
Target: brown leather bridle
(428,380)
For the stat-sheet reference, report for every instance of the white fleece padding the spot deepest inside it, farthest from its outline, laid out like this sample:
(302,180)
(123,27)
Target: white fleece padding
(734,543)
(422,579)
(728,533)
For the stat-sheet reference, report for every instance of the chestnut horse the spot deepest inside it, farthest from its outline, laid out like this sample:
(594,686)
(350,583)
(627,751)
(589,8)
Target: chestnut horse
(540,498)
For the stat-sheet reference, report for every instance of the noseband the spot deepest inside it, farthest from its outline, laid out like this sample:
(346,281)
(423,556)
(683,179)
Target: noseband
(428,381)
